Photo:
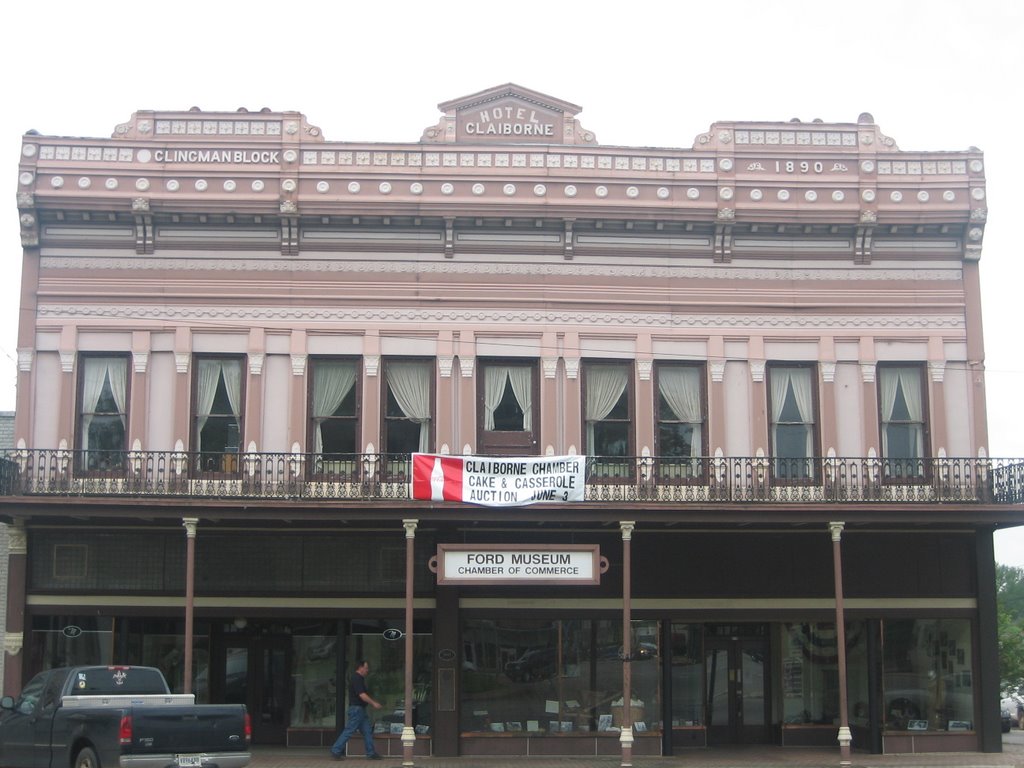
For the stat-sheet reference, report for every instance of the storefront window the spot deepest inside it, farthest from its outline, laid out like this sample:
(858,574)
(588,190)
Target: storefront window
(810,673)
(687,673)
(927,678)
(314,664)
(385,651)
(69,641)
(548,677)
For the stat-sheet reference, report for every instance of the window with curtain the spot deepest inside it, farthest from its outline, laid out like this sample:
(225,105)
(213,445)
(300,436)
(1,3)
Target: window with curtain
(793,428)
(608,418)
(680,419)
(103,411)
(901,400)
(507,397)
(408,406)
(334,414)
(217,412)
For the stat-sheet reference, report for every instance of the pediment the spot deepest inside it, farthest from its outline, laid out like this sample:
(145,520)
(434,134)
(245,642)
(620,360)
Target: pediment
(510,114)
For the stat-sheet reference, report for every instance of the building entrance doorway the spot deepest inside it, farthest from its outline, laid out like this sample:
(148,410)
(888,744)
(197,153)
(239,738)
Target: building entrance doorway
(256,674)
(737,677)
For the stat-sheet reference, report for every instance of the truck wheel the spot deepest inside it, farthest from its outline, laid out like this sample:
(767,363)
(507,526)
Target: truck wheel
(86,758)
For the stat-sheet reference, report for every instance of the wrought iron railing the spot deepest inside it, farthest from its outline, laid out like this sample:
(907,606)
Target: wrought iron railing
(369,477)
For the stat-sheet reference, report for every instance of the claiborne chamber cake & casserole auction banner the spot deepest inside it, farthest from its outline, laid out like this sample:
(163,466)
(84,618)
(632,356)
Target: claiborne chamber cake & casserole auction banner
(498,481)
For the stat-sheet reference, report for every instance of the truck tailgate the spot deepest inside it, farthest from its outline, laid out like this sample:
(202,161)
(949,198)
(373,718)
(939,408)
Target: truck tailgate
(188,729)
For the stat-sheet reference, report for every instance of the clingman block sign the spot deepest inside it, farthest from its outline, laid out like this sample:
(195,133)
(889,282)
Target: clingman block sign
(498,481)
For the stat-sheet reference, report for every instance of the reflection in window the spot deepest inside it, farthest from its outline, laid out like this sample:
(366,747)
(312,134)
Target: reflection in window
(387,673)
(903,427)
(334,416)
(103,415)
(218,413)
(687,671)
(70,641)
(314,666)
(926,678)
(810,673)
(792,421)
(543,677)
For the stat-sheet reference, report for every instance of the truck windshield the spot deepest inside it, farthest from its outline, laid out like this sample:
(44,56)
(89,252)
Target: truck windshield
(100,681)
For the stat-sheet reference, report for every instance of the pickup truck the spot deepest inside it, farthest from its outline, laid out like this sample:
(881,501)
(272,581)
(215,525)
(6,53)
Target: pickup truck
(118,717)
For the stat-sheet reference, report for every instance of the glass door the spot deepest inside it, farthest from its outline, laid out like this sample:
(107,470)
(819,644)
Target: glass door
(737,697)
(256,675)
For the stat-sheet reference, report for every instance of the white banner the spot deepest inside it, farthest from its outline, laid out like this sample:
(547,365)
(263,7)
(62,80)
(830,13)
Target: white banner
(498,481)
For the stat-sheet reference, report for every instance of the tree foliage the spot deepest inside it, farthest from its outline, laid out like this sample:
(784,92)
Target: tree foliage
(1010,600)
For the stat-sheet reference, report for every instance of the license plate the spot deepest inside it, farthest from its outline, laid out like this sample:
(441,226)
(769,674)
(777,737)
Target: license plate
(189,761)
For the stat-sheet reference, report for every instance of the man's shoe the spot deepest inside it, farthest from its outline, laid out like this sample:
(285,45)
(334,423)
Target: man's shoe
(335,756)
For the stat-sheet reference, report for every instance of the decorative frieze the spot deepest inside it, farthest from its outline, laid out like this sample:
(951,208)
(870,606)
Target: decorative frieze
(440,317)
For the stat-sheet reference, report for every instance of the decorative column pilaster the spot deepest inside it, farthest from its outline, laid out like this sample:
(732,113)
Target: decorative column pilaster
(626,734)
(190,524)
(844,736)
(14,639)
(408,732)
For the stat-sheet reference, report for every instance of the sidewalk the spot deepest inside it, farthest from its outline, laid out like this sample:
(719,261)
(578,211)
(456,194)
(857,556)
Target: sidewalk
(725,757)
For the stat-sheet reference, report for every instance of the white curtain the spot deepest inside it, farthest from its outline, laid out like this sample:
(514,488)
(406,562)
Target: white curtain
(605,385)
(410,384)
(332,381)
(798,381)
(100,370)
(521,378)
(680,386)
(495,377)
(908,381)
(209,375)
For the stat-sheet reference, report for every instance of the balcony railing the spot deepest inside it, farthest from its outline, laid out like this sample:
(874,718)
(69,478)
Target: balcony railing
(382,477)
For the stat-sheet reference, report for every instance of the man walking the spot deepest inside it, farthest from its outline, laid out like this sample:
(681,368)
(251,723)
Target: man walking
(355,717)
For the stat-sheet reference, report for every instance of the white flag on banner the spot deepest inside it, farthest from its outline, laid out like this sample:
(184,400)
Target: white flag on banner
(498,481)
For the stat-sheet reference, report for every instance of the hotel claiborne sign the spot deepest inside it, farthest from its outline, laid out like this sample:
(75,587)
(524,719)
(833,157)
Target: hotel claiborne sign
(517,564)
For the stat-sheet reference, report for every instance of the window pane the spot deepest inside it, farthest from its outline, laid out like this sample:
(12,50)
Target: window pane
(551,677)
(687,669)
(611,438)
(675,439)
(927,678)
(339,435)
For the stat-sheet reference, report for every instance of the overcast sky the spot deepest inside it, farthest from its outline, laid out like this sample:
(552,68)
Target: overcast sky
(936,75)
